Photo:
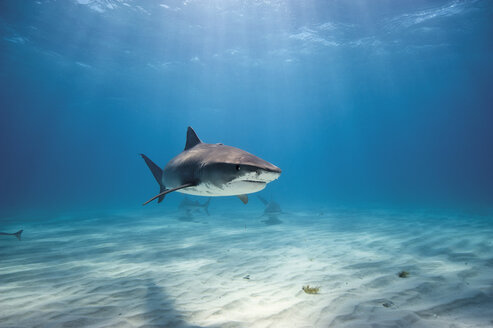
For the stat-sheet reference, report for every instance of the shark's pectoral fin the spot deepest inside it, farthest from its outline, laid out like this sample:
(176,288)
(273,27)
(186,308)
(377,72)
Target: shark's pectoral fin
(161,190)
(243,198)
(167,191)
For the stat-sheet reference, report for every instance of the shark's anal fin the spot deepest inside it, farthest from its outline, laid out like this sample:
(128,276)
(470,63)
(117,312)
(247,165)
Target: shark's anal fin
(167,191)
(243,198)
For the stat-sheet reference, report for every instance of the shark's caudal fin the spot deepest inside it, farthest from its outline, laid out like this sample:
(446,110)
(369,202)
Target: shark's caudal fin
(18,234)
(158,174)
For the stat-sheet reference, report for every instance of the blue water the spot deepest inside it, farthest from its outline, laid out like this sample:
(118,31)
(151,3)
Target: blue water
(357,101)
(378,112)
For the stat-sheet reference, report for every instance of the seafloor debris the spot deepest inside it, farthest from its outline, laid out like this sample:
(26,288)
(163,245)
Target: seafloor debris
(387,303)
(403,274)
(310,290)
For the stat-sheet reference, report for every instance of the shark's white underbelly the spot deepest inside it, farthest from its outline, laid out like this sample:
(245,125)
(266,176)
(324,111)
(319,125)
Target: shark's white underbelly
(229,189)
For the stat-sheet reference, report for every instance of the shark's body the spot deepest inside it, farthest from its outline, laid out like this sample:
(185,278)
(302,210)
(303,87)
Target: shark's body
(16,234)
(189,205)
(204,169)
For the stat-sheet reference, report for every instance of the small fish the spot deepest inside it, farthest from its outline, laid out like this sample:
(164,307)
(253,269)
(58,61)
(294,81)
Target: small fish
(247,277)
(16,234)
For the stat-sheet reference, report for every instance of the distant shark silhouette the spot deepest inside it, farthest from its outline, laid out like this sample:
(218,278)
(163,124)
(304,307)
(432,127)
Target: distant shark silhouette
(193,205)
(204,169)
(272,220)
(271,208)
(271,211)
(16,234)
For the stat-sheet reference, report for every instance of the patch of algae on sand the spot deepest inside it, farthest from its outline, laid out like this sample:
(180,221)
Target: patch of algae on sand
(310,290)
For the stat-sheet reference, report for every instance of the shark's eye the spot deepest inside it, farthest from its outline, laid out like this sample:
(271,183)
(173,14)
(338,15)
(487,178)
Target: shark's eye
(237,167)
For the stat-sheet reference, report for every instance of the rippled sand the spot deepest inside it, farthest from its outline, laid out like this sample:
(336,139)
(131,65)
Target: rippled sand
(162,271)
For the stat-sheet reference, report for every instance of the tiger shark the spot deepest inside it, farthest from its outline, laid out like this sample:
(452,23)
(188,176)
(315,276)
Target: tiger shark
(204,169)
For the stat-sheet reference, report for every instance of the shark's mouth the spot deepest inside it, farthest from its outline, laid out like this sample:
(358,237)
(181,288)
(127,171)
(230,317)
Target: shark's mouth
(254,181)
(246,186)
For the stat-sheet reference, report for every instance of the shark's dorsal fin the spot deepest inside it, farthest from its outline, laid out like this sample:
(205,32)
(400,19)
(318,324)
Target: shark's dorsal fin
(192,139)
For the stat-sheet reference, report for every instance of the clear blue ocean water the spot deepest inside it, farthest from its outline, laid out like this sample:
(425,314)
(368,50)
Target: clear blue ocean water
(363,104)
(356,101)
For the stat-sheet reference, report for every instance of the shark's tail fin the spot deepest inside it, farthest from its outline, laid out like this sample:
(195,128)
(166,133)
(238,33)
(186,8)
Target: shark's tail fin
(157,173)
(206,205)
(18,234)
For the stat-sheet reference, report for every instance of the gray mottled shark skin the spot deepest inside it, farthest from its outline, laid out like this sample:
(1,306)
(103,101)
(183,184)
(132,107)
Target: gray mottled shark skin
(16,234)
(211,170)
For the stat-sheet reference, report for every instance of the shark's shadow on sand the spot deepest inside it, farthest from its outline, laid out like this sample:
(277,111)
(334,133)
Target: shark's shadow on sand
(70,293)
(161,308)
(138,301)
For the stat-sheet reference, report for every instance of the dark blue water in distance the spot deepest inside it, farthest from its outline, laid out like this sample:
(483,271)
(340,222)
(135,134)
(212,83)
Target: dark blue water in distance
(358,102)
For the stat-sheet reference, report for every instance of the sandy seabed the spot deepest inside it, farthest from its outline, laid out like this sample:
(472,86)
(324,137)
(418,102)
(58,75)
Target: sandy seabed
(126,270)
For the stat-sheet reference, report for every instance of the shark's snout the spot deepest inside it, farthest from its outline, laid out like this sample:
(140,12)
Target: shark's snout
(269,172)
(275,169)
(268,167)
(271,175)
(266,174)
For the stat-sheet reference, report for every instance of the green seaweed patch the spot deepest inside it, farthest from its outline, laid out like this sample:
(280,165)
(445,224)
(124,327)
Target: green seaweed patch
(310,290)
(403,274)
